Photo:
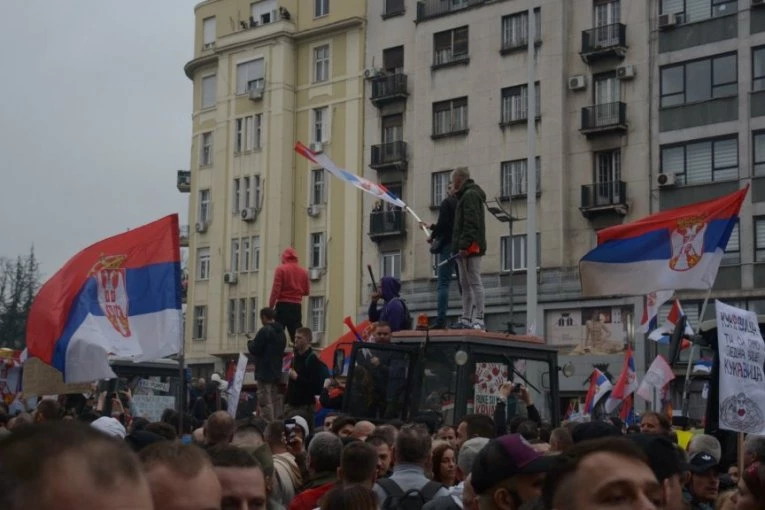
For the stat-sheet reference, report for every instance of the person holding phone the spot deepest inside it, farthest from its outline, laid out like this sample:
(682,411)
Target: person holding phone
(515,401)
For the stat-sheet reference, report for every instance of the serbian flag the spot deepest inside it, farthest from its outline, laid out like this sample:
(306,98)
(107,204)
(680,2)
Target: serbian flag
(599,386)
(658,375)
(653,302)
(626,385)
(677,249)
(120,296)
(661,334)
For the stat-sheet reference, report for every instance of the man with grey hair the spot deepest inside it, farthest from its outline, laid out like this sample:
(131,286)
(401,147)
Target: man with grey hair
(467,455)
(754,449)
(324,454)
(469,241)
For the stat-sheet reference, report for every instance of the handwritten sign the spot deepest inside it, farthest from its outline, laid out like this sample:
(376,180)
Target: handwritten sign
(488,379)
(236,388)
(41,379)
(742,382)
(149,384)
(151,407)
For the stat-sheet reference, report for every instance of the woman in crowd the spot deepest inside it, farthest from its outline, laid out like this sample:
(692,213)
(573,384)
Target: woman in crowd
(751,488)
(445,465)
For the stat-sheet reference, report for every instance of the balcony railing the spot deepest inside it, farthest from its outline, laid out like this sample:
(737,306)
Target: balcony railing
(387,88)
(604,197)
(604,118)
(184,181)
(434,8)
(604,41)
(389,155)
(184,236)
(386,223)
(393,8)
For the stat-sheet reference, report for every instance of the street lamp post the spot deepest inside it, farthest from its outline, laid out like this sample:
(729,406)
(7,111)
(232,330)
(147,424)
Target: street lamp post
(504,215)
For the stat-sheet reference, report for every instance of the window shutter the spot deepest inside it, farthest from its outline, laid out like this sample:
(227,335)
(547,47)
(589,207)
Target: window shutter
(671,6)
(698,163)
(759,233)
(726,158)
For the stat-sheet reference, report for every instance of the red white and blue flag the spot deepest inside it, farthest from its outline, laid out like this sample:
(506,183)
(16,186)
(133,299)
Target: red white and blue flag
(661,334)
(677,249)
(626,385)
(120,296)
(653,302)
(599,386)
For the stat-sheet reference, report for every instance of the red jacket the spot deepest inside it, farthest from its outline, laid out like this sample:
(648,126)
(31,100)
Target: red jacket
(290,281)
(309,499)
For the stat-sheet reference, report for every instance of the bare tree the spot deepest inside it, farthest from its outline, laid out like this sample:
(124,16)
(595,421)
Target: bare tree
(19,282)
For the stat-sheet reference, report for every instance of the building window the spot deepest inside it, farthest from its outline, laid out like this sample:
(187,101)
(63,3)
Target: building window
(321,63)
(254,135)
(204,206)
(231,316)
(439,187)
(256,253)
(208,32)
(242,315)
(234,255)
(206,150)
(698,10)
(758,143)
(208,91)
(236,192)
(317,250)
(320,8)
(514,254)
(249,75)
(701,161)
(732,255)
(316,307)
(514,178)
(390,264)
(759,239)
(245,268)
(758,69)
(256,191)
(317,187)
(608,170)
(450,117)
(200,322)
(254,315)
(263,12)
(319,130)
(699,80)
(247,133)
(450,46)
(515,103)
(203,263)
(239,129)
(247,186)
(515,29)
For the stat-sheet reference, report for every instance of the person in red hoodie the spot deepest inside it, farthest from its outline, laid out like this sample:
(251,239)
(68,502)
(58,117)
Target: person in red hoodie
(287,292)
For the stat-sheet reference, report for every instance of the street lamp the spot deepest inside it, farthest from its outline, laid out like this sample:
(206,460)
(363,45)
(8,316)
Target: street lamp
(504,215)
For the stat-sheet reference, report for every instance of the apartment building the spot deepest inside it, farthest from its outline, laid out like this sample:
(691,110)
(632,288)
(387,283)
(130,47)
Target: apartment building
(708,120)
(267,74)
(447,87)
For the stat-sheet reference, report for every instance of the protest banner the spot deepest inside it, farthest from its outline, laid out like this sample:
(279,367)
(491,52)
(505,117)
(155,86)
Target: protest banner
(489,377)
(152,385)
(151,407)
(742,353)
(40,379)
(236,387)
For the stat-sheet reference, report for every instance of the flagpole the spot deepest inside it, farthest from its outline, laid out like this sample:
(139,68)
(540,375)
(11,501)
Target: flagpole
(418,220)
(687,383)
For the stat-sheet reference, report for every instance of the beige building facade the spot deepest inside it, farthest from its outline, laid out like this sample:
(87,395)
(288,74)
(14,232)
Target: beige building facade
(267,74)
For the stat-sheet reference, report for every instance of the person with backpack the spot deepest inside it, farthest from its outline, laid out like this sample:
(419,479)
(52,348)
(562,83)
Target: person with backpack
(307,376)
(408,488)
(394,310)
(267,348)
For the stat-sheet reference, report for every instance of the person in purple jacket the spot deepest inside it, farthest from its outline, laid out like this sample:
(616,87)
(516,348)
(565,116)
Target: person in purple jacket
(393,310)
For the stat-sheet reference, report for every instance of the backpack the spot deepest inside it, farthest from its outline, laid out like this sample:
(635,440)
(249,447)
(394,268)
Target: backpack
(408,322)
(411,500)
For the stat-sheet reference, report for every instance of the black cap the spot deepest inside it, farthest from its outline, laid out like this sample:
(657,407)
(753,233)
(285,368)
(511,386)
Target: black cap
(701,462)
(594,430)
(503,458)
(664,457)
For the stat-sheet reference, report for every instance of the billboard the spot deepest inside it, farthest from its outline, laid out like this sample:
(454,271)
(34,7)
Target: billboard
(600,330)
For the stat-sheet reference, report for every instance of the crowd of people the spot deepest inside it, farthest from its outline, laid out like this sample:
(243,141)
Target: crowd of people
(95,462)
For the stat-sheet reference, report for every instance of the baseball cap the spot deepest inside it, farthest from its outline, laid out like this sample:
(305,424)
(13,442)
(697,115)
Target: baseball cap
(664,457)
(300,422)
(468,453)
(505,457)
(701,462)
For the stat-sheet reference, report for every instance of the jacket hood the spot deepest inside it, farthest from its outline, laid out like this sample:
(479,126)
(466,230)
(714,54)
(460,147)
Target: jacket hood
(390,287)
(289,255)
(472,186)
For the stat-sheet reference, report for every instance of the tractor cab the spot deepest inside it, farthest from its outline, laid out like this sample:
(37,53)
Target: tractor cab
(438,377)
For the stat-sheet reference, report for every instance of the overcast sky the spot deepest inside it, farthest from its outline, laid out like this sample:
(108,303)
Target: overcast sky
(95,119)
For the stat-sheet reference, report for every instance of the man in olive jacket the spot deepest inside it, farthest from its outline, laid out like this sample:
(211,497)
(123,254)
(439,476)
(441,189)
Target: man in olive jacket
(469,240)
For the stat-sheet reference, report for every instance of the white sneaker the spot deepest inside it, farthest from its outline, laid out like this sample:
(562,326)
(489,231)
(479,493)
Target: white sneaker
(478,324)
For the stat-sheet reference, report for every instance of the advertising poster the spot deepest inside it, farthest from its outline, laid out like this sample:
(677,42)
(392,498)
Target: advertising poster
(594,330)
(488,379)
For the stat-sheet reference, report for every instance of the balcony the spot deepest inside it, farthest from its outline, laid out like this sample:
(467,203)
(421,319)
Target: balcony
(427,9)
(184,181)
(601,119)
(608,41)
(389,156)
(389,88)
(184,236)
(386,224)
(604,198)
(393,8)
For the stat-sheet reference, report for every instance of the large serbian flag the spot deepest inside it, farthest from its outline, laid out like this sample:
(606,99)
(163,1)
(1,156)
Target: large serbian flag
(677,249)
(120,296)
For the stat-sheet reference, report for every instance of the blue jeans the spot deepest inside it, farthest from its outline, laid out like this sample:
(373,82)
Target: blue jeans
(444,279)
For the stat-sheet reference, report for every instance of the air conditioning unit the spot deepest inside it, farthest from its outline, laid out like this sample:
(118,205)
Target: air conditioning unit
(230,278)
(313,210)
(756,3)
(669,20)
(314,274)
(317,147)
(666,180)
(256,93)
(201,227)
(249,214)
(209,45)
(578,82)
(371,72)
(625,72)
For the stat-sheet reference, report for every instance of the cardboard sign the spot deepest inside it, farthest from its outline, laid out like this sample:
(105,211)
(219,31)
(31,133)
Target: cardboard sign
(149,384)
(151,407)
(489,377)
(41,379)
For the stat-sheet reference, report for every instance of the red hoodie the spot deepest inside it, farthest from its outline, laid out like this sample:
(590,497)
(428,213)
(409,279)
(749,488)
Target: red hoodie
(290,281)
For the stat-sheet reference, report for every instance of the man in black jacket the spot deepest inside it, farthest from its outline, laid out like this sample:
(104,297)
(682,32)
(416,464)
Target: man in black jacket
(441,233)
(304,381)
(268,350)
